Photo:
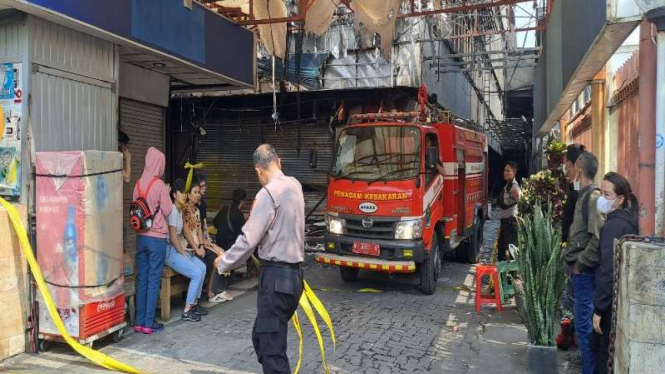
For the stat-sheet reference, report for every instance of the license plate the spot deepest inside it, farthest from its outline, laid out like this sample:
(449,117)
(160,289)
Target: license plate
(369,249)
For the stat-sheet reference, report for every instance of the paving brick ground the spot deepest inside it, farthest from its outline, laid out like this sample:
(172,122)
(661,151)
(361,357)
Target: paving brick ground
(397,330)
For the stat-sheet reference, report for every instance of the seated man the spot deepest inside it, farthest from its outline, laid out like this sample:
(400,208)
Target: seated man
(230,220)
(206,250)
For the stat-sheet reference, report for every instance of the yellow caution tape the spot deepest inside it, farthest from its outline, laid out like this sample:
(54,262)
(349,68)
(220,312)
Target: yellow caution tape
(296,324)
(318,305)
(462,287)
(369,290)
(92,355)
(308,299)
(304,303)
(190,175)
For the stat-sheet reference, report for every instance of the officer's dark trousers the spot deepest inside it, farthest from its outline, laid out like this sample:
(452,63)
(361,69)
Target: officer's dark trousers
(507,236)
(279,291)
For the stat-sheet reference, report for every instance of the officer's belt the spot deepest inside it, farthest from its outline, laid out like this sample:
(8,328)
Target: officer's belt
(279,264)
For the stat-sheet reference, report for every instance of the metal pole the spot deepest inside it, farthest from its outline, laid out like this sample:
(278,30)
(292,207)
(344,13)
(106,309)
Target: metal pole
(657,17)
(646,130)
(660,132)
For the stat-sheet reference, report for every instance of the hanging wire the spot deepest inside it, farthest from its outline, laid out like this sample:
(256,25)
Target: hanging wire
(275,114)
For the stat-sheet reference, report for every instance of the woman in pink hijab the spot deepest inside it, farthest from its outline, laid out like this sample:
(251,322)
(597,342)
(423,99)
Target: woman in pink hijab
(151,244)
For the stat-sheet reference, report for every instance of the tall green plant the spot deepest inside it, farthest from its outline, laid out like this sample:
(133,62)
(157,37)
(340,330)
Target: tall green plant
(542,275)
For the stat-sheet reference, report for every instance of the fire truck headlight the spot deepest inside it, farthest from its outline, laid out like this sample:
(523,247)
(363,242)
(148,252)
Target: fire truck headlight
(335,225)
(407,230)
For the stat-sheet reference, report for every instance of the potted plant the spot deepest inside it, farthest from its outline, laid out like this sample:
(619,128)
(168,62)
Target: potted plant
(555,152)
(542,281)
(547,186)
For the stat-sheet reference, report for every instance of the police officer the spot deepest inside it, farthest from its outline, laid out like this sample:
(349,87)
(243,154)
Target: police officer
(277,227)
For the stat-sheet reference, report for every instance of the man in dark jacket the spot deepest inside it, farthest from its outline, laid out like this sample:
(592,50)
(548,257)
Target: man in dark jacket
(620,204)
(230,220)
(581,254)
(573,151)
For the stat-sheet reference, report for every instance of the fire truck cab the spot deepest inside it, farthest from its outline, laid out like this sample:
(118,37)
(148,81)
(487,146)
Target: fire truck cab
(403,191)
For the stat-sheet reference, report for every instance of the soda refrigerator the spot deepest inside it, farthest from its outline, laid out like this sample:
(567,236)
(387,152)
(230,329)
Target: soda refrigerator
(79,242)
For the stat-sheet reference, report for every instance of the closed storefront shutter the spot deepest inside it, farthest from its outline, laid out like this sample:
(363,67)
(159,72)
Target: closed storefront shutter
(227,154)
(144,124)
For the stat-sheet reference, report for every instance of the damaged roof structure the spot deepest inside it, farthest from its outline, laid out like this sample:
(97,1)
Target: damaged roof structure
(466,52)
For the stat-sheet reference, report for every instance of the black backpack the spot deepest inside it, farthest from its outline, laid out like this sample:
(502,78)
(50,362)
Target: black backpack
(140,216)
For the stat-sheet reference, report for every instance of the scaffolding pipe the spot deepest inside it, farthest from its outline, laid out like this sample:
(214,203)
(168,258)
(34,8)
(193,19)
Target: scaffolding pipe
(453,9)
(471,54)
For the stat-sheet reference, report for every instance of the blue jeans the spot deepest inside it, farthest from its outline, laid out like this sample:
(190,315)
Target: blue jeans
(191,267)
(583,288)
(150,254)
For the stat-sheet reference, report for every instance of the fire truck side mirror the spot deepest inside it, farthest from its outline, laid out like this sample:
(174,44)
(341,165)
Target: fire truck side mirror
(431,158)
(313,158)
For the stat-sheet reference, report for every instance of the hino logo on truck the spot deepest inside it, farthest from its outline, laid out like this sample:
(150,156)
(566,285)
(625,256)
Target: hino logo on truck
(367,207)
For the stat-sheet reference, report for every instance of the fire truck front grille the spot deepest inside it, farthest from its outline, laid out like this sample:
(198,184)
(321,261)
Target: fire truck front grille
(380,229)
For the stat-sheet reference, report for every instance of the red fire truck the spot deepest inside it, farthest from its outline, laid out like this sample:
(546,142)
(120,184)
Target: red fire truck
(402,191)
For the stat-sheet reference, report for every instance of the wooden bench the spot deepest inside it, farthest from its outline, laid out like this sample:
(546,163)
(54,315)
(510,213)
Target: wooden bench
(172,284)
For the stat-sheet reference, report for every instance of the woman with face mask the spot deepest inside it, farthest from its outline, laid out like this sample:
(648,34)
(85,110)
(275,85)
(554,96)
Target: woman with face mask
(620,205)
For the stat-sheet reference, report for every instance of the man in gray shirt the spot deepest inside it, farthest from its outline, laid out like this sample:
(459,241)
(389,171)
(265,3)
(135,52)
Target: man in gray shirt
(277,227)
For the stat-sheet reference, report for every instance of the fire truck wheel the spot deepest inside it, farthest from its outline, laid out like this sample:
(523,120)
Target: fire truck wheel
(429,270)
(475,242)
(349,275)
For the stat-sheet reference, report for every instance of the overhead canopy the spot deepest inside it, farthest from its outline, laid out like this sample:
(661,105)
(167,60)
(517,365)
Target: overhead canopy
(578,43)
(192,46)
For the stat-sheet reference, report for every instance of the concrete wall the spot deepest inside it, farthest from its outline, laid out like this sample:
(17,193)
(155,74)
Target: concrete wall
(640,326)
(13,280)
(454,90)
(70,80)
(13,289)
(144,85)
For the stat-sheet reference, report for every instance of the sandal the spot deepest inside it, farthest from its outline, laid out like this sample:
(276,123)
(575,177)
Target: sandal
(220,298)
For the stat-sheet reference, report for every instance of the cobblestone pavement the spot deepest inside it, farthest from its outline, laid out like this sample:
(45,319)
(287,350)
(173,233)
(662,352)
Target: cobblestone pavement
(394,329)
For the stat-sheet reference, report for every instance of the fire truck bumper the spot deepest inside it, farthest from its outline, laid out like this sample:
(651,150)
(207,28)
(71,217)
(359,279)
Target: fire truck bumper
(367,263)
(389,251)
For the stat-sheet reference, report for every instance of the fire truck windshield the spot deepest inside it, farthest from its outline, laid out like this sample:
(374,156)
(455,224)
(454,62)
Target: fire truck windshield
(377,152)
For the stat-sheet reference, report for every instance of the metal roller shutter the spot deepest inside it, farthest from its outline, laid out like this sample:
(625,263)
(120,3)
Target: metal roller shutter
(227,154)
(144,124)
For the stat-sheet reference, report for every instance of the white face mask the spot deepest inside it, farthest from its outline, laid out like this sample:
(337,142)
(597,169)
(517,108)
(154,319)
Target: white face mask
(577,185)
(604,205)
